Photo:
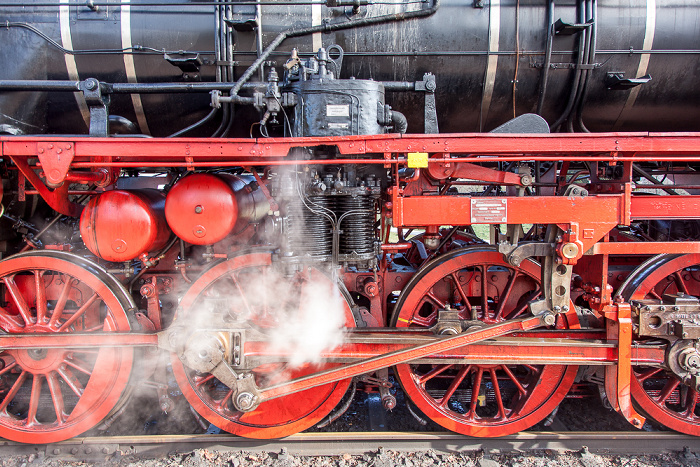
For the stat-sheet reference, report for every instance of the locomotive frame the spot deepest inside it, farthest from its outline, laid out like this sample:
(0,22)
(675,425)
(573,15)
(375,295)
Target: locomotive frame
(585,224)
(199,248)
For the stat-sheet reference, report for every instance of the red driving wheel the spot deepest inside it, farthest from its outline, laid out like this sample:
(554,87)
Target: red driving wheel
(476,399)
(658,392)
(236,290)
(49,395)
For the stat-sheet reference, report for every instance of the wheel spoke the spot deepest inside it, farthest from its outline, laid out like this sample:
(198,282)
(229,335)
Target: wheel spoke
(680,283)
(470,312)
(668,389)
(56,397)
(71,380)
(454,385)
(655,295)
(238,287)
(497,393)
(204,380)
(476,388)
(431,295)
(515,381)
(61,302)
(13,390)
(81,311)
(17,297)
(8,322)
(648,373)
(691,401)
(222,404)
(433,373)
(34,400)
(79,365)
(484,293)
(506,294)
(8,368)
(424,321)
(41,311)
(519,311)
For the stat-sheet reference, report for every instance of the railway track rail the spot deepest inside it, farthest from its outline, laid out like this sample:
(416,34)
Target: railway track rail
(98,449)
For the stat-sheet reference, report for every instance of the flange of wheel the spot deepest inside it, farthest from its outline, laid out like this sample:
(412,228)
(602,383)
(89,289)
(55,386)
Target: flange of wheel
(50,395)
(482,400)
(656,391)
(247,290)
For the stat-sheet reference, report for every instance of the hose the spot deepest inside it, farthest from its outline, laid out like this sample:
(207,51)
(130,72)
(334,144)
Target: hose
(208,117)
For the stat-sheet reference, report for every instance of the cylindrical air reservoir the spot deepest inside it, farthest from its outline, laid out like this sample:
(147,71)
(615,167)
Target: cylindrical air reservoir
(203,209)
(120,225)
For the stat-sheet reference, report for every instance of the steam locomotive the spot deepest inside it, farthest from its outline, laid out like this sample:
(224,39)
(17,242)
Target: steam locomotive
(269,201)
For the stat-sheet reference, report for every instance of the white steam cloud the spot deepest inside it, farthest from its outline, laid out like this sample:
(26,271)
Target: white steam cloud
(312,327)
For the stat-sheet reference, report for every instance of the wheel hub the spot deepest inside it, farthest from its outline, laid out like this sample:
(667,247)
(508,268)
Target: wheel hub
(39,361)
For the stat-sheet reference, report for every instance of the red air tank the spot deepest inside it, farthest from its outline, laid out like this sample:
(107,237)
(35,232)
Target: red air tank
(121,225)
(203,209)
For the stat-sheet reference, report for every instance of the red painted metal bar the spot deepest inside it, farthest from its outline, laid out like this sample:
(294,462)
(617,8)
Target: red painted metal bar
(643,248)
(595,209)
(399,356)
(600,146)
(457,210)
(76,340)
(507,350)
(665,207)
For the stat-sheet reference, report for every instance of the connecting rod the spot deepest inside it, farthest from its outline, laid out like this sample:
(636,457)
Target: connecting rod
(400,356)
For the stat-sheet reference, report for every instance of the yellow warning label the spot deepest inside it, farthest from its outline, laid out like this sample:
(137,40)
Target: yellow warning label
(417,160)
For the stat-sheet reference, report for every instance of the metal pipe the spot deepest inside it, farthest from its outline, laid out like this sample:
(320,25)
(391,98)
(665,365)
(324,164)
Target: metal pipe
(575,86)
(591,61)
(329,28)
(547,56)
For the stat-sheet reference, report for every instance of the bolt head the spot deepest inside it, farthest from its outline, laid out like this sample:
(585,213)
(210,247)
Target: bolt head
(245,401)
(549,320)
(570,251)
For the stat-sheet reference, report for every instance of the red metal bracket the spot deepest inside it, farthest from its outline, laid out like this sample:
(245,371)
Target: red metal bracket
(57,199)
(55,158)
(443,170)
(618,378)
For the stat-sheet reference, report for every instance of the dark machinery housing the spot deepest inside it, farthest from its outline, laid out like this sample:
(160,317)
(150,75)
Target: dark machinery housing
(482,204)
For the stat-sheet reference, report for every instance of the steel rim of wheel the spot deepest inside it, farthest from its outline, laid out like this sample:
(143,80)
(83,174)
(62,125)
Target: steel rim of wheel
(50,395)
(510,398)
(659,393)
(276,418)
